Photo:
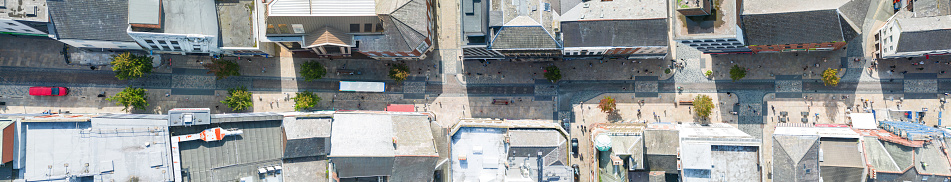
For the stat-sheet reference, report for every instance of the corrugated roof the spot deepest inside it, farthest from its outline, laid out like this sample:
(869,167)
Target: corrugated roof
(615,33)
(322,8)
(233,157)
(105,20)
(794,27)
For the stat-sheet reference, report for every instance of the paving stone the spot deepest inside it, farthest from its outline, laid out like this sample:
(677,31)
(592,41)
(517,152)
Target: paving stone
(789,86)
(921,86)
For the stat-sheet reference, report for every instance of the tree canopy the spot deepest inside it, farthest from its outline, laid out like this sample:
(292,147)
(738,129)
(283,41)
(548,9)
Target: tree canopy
(223,68)
(305,100)
(312,70)
(737,73)
(136,98)
(131,66)
(830,77)
(238,99)
(552,73)
(607,104)
(704,105)
(399,72)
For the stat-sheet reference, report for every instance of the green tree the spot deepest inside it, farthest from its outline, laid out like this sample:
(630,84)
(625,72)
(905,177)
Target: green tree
(305,100)
(130,66)
(704,105)
(223,68)
(830,77)
(607,104)
(737,73)
(708,73)
(312,70)
(552,73)
(238,99)
(399,72)
(134,97)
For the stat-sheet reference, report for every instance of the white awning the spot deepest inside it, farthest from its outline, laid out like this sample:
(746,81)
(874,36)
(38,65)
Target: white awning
(362,86)
(863,121)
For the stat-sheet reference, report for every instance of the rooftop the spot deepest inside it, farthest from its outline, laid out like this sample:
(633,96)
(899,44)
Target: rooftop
(703,162)
(481,153)
(826,132)
(817,26)
(233,157)
(931,160)
(313,169)
(395,144)
(716,132)
(187,17)
(528,24)
(615,33)
(61,149)
(928,8)
(306,137)
(29,10)
(475,17)
(878,157)
(617,10)
(477,154)
(322,8)
(722,22)
(105,20)
(234,19)
(795,158)
(924,34)
(770,6)
(841,160)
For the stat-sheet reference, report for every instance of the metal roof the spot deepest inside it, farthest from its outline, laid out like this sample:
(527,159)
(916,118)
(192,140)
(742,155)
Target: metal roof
(56,150)
(322,8)
(233,157)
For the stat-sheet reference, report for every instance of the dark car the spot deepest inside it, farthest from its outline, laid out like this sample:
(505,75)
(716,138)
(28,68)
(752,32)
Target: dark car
(48,91)
(574,146)
(576,171)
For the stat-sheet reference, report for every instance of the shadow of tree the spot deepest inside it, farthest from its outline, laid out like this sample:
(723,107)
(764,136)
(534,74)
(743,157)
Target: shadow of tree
(614,116)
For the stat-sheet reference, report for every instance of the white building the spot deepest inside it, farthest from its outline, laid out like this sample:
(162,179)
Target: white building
(905,37)
(174,26)
(26,17)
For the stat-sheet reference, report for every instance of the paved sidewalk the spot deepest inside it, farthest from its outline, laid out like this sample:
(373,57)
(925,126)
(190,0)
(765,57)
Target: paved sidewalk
(506,72)
(768,65)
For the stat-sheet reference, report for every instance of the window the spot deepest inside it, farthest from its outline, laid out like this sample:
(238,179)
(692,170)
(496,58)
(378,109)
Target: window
(759,48)
(354,28)
(771,48)
(11,29)
(174,43)
(11,24)
(830,45)
(798,46)
(368,27)
(298,28)
(87,45)
(787,47)
(817,45)
(27,30)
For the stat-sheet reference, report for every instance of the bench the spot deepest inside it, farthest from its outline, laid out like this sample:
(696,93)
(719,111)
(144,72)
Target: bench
(500,102)
(685,102)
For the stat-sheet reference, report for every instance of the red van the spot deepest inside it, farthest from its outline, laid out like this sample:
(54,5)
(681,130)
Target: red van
(48,91)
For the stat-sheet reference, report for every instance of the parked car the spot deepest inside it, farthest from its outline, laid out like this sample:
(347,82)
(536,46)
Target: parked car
(576,171)
(48,91)
(574,146)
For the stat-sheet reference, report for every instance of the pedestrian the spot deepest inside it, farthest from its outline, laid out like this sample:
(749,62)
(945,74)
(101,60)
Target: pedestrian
(216,107)
(263,69)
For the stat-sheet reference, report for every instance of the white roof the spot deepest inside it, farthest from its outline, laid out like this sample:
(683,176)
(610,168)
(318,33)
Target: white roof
(863,120)
(362,86)
(322,8)
(826,132)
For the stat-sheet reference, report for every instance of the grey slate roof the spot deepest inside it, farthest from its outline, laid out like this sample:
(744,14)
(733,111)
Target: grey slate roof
(235,156)
(615,33)
(878,157)
(523,37)
(924,40)
(104,20)
(794,27)
(793,155)
(404,29)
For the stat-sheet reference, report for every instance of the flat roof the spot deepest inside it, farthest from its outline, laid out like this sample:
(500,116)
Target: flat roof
(29,10)
(703,162)
(827,132)
(617,10)
(772,6)
(926,8)
(144,12)
(234,157)
(313,169)
(723,22)
(190,17)
(60,149)
(715,130)
(235,22)
(374,134)
(477,154)
(297,128)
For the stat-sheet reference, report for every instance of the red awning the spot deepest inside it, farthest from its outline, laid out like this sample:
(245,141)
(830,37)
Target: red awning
(401,108)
